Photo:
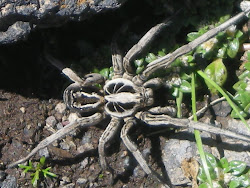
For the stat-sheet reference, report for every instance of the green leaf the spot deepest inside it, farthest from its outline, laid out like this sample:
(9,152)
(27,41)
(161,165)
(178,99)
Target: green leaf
(47,173)
(175,92)
(203,30)
(234,184)
(150,57)
(224,94)
(222,52)
(238,34)
(211,160)
(52,174)
(217,72)
(139,69)
(139,62)
(202,175)
(245,180)
(185,76)
(203,185)
(42,160)
(35,179)
(192,36)
(185,86)
(233,48)
(244,75)
(248,55)
(224,162)
(111,73)
(235,115)
(245,98)
(105,73)
(247,66)
(237,167)
(224,18)
(240,85)
(162,52)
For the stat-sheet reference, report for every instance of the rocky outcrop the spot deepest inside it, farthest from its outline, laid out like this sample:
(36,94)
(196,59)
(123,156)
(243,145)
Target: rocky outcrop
(19,17)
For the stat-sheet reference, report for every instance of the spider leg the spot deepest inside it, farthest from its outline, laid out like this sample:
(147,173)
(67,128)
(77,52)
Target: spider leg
(88,79)
(153,83)
(165,120)
(142,44)
(130,122)
(107,135)
(166,60)
(116,57)
(66,71)
(167,110)
(81,122)
(93,78)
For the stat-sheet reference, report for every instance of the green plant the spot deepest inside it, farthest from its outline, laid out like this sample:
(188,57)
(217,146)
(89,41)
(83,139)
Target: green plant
(224,174)
(37,171)
(242,95)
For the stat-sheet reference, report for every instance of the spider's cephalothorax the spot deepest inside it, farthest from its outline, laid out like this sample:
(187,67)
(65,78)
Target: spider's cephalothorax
(122,98)
(125,97)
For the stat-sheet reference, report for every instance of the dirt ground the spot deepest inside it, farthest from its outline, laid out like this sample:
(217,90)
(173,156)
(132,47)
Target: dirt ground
(23,126)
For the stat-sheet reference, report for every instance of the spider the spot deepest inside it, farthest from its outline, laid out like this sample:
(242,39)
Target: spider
(128,98)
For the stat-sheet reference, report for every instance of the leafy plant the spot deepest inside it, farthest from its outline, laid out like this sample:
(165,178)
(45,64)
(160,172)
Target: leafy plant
(37,171)
(242,95)
(224,174)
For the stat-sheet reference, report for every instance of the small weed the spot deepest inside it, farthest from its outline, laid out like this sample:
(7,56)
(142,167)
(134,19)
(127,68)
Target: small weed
(224,174)
(37,171)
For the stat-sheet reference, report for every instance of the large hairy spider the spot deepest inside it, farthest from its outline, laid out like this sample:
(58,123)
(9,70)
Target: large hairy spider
(128,97)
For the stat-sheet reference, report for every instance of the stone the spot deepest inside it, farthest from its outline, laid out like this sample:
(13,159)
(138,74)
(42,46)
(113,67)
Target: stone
(51,121)
(2,175)
(60,107)
(44,152)
(81,181)
(46,14)
(9,182)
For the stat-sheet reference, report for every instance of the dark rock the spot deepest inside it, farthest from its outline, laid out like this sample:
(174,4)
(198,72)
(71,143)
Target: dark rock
(2,175)
(18,18)
(221,109)
(9,182)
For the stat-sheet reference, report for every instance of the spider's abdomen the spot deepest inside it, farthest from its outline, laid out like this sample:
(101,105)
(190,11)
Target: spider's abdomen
(123,98)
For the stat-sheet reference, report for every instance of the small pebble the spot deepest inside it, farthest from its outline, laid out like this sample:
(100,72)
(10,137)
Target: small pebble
(64,146)
(59,126)
(65,180)
(86,138)
(138,172)
(44,152)
(126,162)
(22,109)
(85,147)
(73,117)
(51,121)
(60,107)
(146,153)
(58,116)
(84,163)
(70,185)
(124,154)
(81,181)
